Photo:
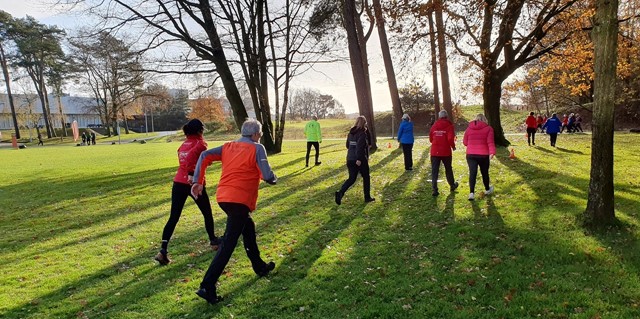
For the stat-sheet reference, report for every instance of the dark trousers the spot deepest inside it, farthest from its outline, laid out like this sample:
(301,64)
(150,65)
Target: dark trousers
(483,162)
(408,157)
(179,194)
(553,137)
(531,135)
(316,145)
(435,170)
(239,222)
(354,169)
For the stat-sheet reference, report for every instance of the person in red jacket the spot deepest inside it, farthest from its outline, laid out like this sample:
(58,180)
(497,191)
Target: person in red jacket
(443,139)
(188,154)
(478,138)
(244,163)
(532,127)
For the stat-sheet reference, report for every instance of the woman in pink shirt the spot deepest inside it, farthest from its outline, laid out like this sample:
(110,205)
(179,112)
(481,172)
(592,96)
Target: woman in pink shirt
(478,138)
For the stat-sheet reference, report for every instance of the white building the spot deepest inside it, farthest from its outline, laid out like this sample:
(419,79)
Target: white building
(29,110)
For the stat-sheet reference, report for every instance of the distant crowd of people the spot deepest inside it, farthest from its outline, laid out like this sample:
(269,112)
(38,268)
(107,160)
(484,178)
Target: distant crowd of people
(552,126)
(88,138)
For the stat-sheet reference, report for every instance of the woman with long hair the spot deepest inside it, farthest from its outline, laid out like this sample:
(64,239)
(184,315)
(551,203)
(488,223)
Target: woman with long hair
(188,154)
(358,142)
(481,148)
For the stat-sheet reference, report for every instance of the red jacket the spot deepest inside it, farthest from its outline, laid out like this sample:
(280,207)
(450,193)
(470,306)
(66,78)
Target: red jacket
(531,122)
(188,154)
(478,138)
(442,137)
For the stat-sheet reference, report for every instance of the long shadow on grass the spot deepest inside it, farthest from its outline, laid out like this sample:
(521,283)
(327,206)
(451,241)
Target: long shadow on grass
(122,285)
(64,202)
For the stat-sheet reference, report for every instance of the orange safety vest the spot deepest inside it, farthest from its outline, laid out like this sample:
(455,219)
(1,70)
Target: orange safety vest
(240,177)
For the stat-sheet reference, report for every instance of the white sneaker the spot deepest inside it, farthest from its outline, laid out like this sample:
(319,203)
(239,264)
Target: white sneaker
(489,191)
(471,196)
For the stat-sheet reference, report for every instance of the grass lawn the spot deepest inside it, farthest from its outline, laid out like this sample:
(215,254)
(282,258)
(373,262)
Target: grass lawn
(80,227)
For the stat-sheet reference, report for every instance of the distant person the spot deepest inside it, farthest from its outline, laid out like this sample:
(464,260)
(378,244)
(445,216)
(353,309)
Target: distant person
(84,138)
(188,154)
(40,142)
(572,123)
(478,138)
(358,142)
(552,126)
(443,140)
(405,138)
(244,163)
(579,123)
(539,122)
(532,127)
(93,138)
(314,137)
(565,123)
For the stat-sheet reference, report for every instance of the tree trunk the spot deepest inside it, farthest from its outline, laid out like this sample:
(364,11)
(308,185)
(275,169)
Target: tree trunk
(62,117)
(388,62)
(222,67)
(265,107)
(444,67)
(434,67)
(491,93)
(600,203)
(7,81)
(360,73)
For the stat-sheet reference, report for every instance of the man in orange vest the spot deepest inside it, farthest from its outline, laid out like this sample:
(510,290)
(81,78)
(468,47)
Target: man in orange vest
(244,163)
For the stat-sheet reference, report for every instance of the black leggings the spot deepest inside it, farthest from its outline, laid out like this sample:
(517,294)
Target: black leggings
(179,194)
(354,169)
(316,145)
(239,222)
(531,135)
(408,156)
(474,161)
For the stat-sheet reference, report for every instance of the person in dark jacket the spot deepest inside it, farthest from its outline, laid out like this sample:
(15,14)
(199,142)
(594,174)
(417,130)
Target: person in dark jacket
(188,154)
(84,138)
(553,127)
(40,142)
(358,142)
(443,139)
(93,138)
(405,138)
(532,127)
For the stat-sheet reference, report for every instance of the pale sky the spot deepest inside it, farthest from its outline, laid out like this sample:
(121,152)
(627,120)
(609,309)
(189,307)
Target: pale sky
(335,79)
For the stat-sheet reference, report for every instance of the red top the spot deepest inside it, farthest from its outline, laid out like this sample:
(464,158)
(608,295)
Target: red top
(565,120)
(478,138)
(531,122)
(188,154)
(442,137)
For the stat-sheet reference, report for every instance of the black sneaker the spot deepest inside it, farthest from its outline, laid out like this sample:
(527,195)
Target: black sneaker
(369,200)
(318,163)
(162,258)
(338,198)
(215,243)
(267,269)
(454,186)
(210,297)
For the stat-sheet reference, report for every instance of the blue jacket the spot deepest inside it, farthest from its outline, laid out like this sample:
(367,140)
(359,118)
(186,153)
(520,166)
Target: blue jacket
(405,132)
(552,125)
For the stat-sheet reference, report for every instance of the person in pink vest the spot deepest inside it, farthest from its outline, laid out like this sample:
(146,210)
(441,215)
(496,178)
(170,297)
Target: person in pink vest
(244,164)
(188,154)
(478,138)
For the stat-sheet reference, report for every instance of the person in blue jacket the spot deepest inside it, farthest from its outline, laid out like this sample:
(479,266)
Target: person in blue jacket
(552,126)
(405,138)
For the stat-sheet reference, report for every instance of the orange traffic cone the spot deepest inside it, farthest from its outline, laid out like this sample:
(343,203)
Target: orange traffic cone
(512,154)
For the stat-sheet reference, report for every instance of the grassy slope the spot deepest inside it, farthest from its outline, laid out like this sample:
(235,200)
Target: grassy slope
(80,227)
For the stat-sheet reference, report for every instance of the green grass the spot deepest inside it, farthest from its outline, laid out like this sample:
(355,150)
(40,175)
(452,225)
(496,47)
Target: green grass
(80,227)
